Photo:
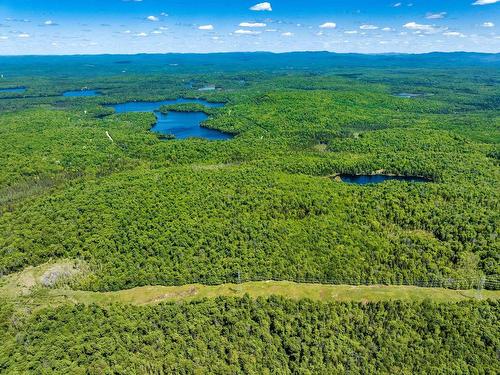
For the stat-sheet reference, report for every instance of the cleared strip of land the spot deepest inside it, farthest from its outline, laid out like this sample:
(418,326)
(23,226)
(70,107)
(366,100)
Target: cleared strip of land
(30,286)
(156,294)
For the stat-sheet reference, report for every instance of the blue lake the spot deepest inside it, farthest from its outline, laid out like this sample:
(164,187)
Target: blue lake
(16,90)
(78,93)
(180,124)
(378,178)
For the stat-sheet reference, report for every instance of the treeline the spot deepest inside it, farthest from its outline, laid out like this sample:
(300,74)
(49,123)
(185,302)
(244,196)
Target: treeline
(263,336)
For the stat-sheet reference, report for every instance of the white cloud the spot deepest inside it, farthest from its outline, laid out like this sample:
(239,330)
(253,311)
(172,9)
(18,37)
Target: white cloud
(420,27)
(485,2)
(157,32)
(387,29)
(488,24)
(163,14)
(368,27)
(397,5)
(252,24)
(23,35)
(153,18)
(49,23)
(288,33)
(328,25)
(141,34)
(262,7)
(247,32)
(351,32)
(270,30)
(454,33)
(206,27)
(436,16)
(4,37)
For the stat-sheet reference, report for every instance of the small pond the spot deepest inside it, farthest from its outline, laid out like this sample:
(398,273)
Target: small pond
(78,93)
(408,95)
(378,178)
(208,88)
(180,124)
(16,90)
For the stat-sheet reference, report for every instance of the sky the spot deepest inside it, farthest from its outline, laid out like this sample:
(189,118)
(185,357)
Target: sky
(58,27)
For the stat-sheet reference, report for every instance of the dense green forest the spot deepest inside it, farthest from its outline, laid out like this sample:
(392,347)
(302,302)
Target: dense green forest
(81,182)
(265,204)
(263,336)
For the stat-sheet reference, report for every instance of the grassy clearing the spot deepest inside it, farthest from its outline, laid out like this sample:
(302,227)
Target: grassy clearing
(156,294)
(27,287)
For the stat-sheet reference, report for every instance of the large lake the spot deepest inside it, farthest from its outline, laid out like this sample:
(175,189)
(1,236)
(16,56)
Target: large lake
(180,124)
(378,178)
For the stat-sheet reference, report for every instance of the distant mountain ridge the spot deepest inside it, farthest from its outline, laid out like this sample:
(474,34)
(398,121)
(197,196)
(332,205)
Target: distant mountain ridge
(239,61)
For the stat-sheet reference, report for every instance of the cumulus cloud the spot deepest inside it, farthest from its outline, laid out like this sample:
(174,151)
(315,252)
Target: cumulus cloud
(420,27)
(485,2)
(49,23)
(387,29)
(436,16)
(153,18)
(453,33)
(247,32)
(252,24)
(206,27)
(350,32)
(142,35)
(288,33)
(397,5)
(488,24)
(328,25)
(262,7)
(368,27)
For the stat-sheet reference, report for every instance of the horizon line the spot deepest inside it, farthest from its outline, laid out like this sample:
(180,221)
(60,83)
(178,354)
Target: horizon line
(255,52)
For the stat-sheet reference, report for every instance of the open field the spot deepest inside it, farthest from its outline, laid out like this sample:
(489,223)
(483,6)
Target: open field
(28,287)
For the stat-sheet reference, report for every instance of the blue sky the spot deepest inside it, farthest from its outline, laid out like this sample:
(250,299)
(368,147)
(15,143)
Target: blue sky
(160,26)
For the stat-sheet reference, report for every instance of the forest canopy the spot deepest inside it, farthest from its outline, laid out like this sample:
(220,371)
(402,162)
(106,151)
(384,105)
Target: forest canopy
(265,204)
